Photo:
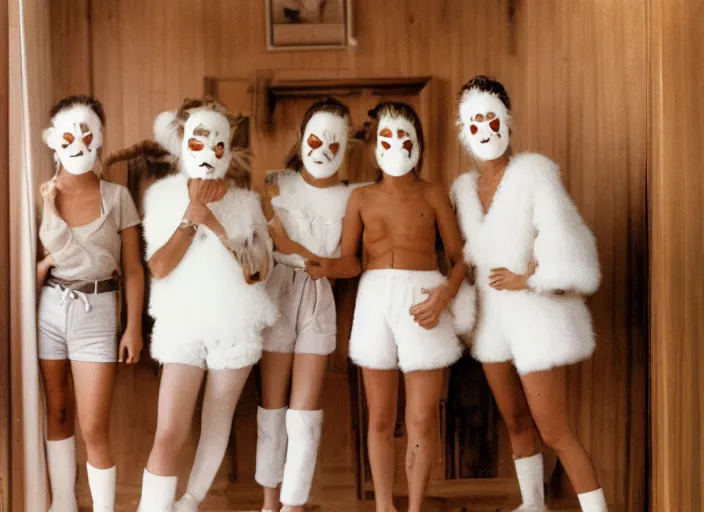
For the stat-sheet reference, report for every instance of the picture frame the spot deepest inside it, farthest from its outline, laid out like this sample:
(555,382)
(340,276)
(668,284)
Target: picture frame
(294,25)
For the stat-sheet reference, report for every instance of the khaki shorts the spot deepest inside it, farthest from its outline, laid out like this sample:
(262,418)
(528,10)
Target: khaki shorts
(307,323)
(77,326)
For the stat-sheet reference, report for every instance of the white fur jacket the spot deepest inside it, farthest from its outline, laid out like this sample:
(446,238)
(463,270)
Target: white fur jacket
(206,295)
(531,217)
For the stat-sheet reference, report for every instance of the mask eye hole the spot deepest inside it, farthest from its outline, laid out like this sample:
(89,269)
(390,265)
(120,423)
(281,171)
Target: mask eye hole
(495,125)
(479,118)
(490,116)
(195,145)
(219,150)
(334,148)
(473,128)
(385,145)
(314,142)
(68,137)
(386,133)
(408,146)
(401,134)
(87,139)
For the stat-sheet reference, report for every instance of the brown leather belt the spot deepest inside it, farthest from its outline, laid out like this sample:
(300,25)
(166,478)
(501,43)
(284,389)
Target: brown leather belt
(108,285)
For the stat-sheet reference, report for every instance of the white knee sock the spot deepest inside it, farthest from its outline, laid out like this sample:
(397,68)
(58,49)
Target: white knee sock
(102,484)
(530,473)
(271,446)
(304,430)
(593,501)
(61,459)
(158,493)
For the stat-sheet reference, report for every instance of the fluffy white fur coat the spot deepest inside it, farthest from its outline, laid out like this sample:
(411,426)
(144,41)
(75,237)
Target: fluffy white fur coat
(531,217)
(206,297)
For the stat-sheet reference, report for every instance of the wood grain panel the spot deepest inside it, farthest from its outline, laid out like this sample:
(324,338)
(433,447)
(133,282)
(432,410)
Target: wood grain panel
(71,48)
(576,72)
(676,194)
(4,268)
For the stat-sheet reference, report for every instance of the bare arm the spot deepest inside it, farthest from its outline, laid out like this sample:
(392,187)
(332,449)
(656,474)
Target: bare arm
(451,239)
(134,278)
(348,265)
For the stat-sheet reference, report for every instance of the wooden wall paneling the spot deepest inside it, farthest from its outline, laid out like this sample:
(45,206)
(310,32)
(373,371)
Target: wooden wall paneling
(5,438)
(71,48)
(676,193)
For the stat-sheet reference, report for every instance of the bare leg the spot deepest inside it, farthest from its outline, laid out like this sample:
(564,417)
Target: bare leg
(304,409)
(275,370)
(423,393)
(508,392)
(222,392)
(381,391)
(547,396)
(178,392)
(95,383)
(61,443)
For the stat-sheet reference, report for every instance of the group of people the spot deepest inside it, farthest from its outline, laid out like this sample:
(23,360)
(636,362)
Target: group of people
(237,280)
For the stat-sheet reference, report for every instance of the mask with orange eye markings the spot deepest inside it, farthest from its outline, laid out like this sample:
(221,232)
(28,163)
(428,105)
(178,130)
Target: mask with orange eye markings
(206,145)
(76,135)
(397,147)
(323,145)
(484,123)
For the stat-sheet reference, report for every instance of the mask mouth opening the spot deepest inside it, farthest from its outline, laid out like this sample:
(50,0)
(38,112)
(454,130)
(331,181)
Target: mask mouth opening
(80,153)
(484,141)
(207,166)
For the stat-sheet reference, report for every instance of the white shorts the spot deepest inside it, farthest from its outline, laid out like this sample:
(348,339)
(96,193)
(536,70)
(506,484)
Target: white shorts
(536,332)
(307,322)
(68,331)
(385,335)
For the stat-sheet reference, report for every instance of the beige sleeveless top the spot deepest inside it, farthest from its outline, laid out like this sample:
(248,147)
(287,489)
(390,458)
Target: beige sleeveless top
(91,252)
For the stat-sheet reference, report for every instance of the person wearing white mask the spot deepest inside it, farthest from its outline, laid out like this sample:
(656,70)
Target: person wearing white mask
(89,239)
(209,254)
(535,261)
(404,317)
(306,203)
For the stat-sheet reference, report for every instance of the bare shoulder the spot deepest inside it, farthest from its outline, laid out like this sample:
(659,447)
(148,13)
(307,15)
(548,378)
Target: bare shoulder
(435,194)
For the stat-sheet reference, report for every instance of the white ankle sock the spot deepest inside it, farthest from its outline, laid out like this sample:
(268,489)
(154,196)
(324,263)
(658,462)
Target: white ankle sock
(271,446)
(593,501)
(61,460)
(158,493)
(102,484)
(304,429)
(530,473)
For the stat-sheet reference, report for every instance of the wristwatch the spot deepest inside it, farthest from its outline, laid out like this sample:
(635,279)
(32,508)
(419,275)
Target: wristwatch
(190,226)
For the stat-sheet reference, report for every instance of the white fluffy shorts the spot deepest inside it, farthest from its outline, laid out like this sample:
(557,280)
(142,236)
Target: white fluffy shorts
(237,350)
(536,332)
(385,335)
(307,322)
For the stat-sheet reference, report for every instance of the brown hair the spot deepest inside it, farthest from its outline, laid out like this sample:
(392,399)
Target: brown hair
(486,84)
(79,99)
(329,105)
(405,111)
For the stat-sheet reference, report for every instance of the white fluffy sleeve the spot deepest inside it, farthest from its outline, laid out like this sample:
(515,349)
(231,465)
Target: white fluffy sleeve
(161,217)
(565,248)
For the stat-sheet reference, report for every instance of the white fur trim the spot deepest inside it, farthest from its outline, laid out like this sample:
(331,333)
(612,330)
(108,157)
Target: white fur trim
(463,308)
(166,127)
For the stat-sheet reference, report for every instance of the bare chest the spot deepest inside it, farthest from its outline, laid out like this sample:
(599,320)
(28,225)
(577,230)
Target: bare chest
(79,209)
(404,217)
(486,189)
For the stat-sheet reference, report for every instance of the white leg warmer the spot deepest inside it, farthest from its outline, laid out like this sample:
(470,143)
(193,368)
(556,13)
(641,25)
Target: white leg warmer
(158,493)
(61,459)
(530,473)
(593,501)
(271,446)
(222,392)
(102,484)
(304,429)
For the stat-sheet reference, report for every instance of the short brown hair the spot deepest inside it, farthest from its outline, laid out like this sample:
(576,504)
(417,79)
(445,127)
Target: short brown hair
(79,99)
(486,84)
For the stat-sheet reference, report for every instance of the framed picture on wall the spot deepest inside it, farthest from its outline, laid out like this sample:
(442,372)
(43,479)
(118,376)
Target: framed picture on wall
(309,24)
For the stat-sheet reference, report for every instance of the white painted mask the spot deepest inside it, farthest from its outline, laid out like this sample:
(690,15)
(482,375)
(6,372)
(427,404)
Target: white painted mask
(397,146)
(324,143)
(205,150)
(75,135)
(484,123)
